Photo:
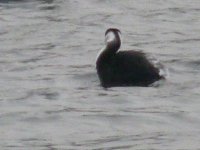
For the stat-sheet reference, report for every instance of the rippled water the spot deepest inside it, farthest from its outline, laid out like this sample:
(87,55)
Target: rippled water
(50,97)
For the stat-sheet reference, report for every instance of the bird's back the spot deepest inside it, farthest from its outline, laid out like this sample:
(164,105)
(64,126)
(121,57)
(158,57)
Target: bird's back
(132,68)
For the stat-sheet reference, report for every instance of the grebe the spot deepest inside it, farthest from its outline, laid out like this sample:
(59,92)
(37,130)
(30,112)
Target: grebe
(123,68)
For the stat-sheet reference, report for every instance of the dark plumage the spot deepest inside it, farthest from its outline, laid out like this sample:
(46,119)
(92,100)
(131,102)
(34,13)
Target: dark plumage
(124,68)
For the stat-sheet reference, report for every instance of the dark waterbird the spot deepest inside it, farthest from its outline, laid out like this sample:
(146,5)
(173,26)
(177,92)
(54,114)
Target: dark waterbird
(123,68)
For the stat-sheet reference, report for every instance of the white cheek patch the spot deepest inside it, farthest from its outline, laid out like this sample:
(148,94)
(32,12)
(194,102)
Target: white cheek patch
(110,36)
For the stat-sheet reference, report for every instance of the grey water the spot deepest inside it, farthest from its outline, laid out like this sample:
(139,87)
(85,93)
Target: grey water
(50,95)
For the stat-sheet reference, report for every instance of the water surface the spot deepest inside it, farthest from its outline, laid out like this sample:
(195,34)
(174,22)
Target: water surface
(50,97)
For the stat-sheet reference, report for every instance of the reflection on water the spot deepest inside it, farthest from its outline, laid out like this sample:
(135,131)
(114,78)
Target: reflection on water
(50,96)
